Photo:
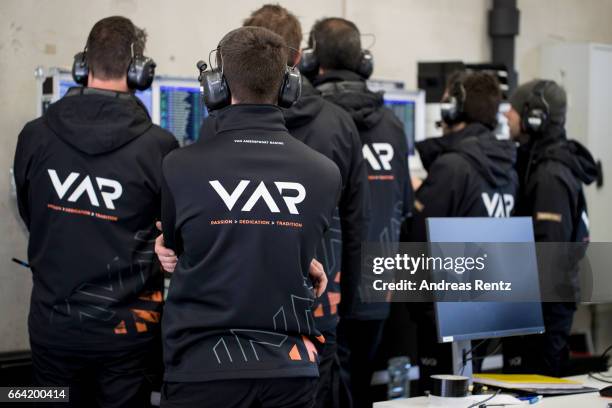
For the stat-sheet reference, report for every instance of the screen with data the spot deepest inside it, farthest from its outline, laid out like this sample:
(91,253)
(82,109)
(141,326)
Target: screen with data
(405,112)
(181,112)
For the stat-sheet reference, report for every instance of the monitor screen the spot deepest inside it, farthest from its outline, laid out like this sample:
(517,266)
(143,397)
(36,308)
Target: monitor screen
(181,112)
(405,112)
(479,320)
(145,96)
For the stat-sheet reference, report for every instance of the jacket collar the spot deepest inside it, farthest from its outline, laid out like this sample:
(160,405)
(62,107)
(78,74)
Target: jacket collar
(250,117)
(340,75)
(84,90)
(125,96)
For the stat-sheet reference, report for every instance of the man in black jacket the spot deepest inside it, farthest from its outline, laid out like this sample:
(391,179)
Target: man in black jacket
(329,130)
(469,174)
(336,45)
(88,176)
(552,170)
(244,210)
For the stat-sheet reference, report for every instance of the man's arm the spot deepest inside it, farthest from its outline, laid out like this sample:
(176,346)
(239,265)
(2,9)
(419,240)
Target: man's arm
(171,239)
(166,256)
(406,180)
(552,213)
(353,208)
(21,170)
(434,198)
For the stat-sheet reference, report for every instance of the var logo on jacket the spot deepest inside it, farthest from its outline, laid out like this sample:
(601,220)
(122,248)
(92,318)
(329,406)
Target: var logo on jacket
(379,155)
(498,205)
(262,193)
(85,186)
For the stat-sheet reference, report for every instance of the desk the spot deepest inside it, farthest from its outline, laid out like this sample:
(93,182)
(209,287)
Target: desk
(591,400)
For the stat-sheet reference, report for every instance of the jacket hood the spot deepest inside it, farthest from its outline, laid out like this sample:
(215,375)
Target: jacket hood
(97,121)
(493,159)
(306,109)
(348,90)
(573,155)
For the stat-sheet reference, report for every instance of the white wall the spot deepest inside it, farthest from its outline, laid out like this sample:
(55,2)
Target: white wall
(49,32)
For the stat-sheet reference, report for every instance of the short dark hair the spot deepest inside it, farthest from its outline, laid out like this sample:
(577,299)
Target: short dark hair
(280,21)
(336,43)
(482,96)
(253,60)
(109,46)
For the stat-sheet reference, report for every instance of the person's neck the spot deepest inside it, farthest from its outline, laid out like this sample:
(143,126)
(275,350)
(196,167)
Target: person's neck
(117,85)
(235,101)
(456,128)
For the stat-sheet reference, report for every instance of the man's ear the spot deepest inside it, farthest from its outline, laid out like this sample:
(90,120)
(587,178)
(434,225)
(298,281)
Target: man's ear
(297,58)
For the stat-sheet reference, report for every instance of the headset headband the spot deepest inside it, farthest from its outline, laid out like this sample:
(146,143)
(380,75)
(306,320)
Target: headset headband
(538,90)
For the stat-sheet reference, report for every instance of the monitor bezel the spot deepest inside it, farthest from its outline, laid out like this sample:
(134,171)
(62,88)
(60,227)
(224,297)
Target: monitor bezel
(527,223)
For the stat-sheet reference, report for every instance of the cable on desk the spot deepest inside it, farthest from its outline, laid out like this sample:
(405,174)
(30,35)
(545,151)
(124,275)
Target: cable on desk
(592,375)
(465,361)
(600,375)
(483,403)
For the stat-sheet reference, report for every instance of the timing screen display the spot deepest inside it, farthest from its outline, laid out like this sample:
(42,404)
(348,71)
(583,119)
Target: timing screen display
(405,111)
(181,112)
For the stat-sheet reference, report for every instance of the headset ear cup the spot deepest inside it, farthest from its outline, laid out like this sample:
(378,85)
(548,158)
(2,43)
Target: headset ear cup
(449,112)
(534,121)
(80,69)
(525,128)
(452,112)
(309,64)
(534,118)
(291,88)
(366,64)
(215,90)
(141,73)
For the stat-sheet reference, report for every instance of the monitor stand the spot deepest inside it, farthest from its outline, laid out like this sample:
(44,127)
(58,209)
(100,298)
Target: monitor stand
(461,348)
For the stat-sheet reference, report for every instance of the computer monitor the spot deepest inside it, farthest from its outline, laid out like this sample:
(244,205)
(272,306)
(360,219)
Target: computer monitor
(460,322)
(409,107)
(178,108)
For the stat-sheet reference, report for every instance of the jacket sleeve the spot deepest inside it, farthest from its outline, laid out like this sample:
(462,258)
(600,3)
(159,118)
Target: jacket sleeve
(407,192)
(354,211)
(552,210)
(21,171)
(172,239)
(435,198)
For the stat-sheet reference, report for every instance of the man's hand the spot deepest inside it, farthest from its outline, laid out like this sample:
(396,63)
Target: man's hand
(416,183)
(166,256)
(318,277)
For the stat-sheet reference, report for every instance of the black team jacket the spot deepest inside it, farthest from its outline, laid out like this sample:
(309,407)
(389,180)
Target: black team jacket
(552,171)
(551,186)
(330,130)
(88,176)
(385,150)
(245,209)
(469,174)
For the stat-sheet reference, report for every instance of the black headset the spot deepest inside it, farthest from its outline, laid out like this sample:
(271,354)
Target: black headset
(140,73)
(309,63)
(216,93)
(536,112)
(452,111)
